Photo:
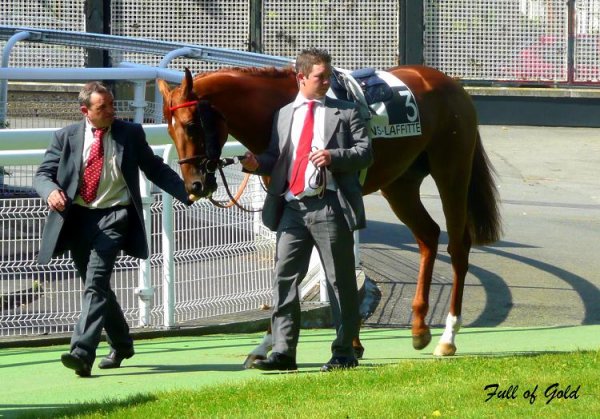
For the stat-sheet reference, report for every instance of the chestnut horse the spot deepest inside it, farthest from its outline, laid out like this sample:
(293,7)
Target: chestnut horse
(242,102)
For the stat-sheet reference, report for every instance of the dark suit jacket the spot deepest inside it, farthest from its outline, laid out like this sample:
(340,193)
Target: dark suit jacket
(61,168)
(346,138)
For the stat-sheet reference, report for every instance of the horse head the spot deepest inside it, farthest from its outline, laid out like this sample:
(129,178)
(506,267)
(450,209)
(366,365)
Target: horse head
(198,131)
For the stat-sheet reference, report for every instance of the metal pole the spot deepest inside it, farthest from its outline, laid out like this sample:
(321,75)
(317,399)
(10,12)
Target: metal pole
(145,291)
(167,252)
(139,103)
(4,83)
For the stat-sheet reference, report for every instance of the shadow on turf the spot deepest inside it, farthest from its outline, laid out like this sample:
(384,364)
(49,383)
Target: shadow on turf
(67,410)
(496,289)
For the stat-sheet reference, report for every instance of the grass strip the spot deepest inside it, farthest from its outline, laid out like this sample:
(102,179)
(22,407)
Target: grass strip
(552,385)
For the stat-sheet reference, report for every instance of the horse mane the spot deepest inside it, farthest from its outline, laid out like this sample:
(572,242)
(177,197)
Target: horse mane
(271,72)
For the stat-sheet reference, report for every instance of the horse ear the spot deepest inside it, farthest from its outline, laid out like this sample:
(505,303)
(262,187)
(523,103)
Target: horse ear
(188,83)
(163,87)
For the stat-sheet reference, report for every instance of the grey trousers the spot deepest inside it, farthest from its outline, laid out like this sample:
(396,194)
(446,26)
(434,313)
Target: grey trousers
(304,224)
(95,242)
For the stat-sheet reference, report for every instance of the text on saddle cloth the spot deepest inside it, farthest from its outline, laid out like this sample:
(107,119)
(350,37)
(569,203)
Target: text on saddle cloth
(391,108)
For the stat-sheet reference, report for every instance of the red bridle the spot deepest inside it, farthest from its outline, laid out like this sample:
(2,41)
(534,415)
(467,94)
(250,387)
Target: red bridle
(183,105)
(192,159)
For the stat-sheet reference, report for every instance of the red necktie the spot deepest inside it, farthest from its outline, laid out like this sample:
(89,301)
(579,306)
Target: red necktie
(302,151)
(93,168)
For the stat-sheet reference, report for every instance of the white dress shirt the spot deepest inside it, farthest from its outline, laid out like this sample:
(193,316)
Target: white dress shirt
(318,143)
(112,189)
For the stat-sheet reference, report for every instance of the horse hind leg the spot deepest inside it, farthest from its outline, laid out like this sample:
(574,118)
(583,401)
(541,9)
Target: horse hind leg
(404,199)
(452,185)
(459,255)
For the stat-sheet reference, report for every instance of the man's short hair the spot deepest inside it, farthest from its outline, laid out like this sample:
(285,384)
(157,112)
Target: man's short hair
(309,57)
(92,87)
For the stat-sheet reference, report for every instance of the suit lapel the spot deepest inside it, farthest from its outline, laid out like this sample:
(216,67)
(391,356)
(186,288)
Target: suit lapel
(284,127)
(331,121)
(76,140)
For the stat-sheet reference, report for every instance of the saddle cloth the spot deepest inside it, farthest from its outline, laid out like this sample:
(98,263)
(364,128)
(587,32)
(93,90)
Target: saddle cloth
(386,103)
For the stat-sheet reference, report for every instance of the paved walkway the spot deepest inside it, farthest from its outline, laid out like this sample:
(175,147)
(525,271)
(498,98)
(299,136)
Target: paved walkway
(545,271)
(34,380)
(536,290)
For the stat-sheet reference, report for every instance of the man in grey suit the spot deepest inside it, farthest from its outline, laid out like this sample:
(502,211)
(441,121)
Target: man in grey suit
(90,179)
(318,147)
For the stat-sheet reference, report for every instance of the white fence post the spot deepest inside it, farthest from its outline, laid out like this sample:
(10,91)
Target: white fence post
(167,253)
(144,291)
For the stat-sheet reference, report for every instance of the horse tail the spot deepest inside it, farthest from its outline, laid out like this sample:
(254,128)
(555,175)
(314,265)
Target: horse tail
(484,221)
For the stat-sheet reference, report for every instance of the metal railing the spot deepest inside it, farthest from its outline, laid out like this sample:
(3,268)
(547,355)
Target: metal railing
(170,50)
(204,261)
(146,46)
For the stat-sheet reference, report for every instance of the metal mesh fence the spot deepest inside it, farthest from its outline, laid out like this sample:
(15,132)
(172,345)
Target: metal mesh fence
(65,15)
(24,112)
(356,33)
(503,40)
(587,40)
(223,263)
(223,24)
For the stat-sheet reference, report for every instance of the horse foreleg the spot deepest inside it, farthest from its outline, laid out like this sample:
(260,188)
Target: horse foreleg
(261,351)
(459,254)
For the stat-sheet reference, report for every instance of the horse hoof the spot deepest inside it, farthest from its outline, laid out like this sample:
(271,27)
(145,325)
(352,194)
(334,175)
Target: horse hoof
(444,349)
(250,360)
(359,352)
(421,341)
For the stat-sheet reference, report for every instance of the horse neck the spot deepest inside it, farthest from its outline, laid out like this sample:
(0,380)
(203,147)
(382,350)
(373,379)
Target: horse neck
(248,103)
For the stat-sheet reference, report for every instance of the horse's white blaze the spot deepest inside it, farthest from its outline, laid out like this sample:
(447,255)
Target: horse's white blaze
(173,121)
(453,324)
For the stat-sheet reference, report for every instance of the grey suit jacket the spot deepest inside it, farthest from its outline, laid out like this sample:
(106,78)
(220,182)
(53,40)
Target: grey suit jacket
(61,168)
(347,140)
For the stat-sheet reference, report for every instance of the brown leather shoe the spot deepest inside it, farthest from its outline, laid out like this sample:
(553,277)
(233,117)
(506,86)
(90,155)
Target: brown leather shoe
(276,362)
(82,367)
(114,359)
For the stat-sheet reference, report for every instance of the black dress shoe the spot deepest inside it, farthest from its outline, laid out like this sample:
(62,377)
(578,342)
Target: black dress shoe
(114,359)
(276,361)
(338,363)
(82,367)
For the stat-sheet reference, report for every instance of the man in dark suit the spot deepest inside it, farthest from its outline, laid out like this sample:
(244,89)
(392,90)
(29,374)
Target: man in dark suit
(318,147)
(90,179)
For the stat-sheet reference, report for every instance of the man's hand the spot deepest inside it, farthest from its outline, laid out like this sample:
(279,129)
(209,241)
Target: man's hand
(249,162)
(320,158)
(57,200)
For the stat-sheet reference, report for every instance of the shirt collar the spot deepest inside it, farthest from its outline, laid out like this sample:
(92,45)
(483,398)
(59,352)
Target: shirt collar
(301,100)
(91,128)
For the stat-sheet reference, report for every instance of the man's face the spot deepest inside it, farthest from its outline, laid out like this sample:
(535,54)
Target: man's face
(315,84)
(101,111)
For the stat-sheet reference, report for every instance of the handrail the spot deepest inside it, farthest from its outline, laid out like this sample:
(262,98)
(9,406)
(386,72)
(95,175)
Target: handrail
(27,146)
(6,51)
(130,44)
(112,73)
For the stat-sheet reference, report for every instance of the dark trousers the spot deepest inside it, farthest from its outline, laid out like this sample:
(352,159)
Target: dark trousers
(96,238)
(307,223)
